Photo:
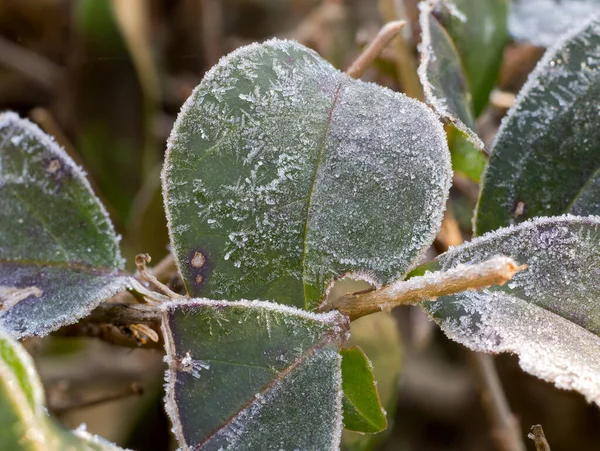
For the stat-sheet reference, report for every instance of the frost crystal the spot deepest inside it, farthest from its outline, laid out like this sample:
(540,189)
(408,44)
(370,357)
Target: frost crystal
(59,254)
(546,154)
(292,174)
(265,360)
(549,314)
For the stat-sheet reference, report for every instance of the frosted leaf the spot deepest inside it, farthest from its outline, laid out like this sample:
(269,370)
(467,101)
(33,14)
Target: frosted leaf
(541,22)
(477,31)
(547,151)
(25,423)
(59,255)
(260,361)
(284,173)
(549,314)
(441,72)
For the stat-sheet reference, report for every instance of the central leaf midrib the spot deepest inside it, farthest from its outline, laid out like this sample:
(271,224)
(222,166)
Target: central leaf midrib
(311,191)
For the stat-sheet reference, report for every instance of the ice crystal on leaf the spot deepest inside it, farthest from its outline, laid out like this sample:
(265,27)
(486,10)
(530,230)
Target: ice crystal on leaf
(260,361)
(546,154)
(285,173)
(548,314)
(59,255)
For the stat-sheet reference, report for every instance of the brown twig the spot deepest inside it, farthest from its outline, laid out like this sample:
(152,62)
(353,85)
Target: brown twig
(506,428)
(36,67)
(149,277)
(374,49)
(59,405)
(538,437)
(495,271)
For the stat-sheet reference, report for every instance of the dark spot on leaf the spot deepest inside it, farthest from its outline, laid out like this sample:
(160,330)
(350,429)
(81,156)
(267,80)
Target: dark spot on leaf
(199,266)
(57,170)
(518,209)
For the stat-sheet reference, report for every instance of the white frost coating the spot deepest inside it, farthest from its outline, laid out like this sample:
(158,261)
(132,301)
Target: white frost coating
(541,22)
(264,405)
(289,127)
(522,152)
(95,440)
(549,314)
(428,56)
(102,221)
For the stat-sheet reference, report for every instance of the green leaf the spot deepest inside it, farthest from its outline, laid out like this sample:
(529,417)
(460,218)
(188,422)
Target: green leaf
(442,75)
(283,173)
(466,158)
(548,314)
(24,421)
(378,335)
(253,375)
(547,151)
(542,22)
(478,29)
(362,409)
(59,255)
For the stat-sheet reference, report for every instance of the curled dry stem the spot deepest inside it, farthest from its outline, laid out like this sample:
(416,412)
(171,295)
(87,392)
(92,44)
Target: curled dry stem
(147,276)
(538,437)
(374,49)
(495,271)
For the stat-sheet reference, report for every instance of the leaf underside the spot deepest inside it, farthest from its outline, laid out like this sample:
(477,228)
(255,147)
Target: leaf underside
(283,173)
(542,22)
(549,314)
(547,152)
(270,374)
(361,406)
(442,75)
(24,421)
(53,232)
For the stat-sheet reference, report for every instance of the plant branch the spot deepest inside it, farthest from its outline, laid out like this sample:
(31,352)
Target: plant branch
(37,68)
(506,428)
(538,437)
(374,49)
(495,271)
(60,406)
(150,277)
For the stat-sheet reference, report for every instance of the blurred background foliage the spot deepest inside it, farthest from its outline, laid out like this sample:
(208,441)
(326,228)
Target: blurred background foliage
(106,78)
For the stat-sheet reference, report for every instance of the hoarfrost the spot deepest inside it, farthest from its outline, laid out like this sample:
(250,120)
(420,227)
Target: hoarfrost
(300,174)
(50,218)
(549,315)
(545,155)
(441,73)
(265,359)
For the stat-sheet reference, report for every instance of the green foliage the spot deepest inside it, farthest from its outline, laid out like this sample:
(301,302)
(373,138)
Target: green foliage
(59,253)
(547,152)
(24,422)
(283,173)
(270,374)
(461,54)
(362,409)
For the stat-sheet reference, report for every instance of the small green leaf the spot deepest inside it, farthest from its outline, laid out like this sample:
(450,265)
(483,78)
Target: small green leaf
(59,255)
(24,421)
(362,409)
(542,22)
(378,335)
(466,158)
(548,314)
(253,375)
(442,76)
(283,173)
(547,152)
